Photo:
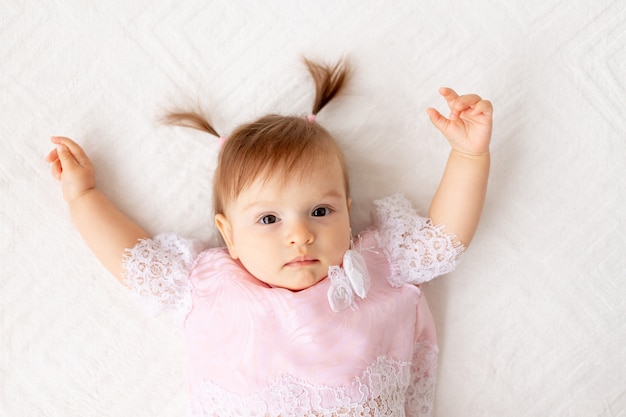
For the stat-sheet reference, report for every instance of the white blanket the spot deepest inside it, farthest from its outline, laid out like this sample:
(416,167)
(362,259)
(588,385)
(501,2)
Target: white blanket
(532,323)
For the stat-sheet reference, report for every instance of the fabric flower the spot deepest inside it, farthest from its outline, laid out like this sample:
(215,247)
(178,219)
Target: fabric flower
(340,295)
(345,282)
(356,270)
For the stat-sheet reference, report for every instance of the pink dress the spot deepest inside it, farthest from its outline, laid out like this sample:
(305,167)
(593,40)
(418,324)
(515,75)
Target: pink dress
(260,351)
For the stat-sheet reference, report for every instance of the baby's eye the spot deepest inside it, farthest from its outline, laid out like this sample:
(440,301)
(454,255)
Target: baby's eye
(321,211)
(268,219)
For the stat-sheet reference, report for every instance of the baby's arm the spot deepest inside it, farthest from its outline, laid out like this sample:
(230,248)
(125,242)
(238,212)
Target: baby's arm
(107,231)
(459,199)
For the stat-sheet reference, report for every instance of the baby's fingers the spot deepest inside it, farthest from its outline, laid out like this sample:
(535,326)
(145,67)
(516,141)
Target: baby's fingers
(52,156)
(75,153)
(464,102)
(449,95)
(56,169)
(439,121)
(484,107)
(456,103)
(66,158)
(55,163)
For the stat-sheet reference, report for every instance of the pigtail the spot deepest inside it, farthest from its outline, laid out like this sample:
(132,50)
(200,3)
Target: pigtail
(329,81)
(190,119)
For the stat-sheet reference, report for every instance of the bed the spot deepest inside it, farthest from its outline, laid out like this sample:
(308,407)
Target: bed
(532,323)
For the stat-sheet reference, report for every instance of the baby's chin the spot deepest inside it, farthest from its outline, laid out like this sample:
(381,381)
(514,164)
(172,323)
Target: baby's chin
(295,287)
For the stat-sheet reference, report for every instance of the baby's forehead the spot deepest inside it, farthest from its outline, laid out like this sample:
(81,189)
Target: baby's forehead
(328,170)
(322,177)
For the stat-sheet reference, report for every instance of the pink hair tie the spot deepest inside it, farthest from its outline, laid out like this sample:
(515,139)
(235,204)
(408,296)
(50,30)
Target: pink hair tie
(311,118)
(223,140)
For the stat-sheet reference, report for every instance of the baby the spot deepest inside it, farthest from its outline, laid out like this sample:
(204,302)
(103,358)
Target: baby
(295,316)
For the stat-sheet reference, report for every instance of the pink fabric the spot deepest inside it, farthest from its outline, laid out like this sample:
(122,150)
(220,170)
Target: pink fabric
(256,350)
(255,333)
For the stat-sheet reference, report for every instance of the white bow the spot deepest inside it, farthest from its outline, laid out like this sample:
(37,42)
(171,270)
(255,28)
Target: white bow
(345,282)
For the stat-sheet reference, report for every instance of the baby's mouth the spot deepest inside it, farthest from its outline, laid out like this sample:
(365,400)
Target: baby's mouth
(301,261)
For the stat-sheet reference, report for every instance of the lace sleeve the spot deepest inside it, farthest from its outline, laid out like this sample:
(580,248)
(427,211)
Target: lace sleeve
(417,250)
(157,270)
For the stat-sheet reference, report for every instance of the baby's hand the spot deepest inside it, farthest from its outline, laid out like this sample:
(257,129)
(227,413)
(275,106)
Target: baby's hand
(72,167)
(468,128)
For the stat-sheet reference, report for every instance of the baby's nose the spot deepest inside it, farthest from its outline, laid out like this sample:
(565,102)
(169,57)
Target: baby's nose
(300,234)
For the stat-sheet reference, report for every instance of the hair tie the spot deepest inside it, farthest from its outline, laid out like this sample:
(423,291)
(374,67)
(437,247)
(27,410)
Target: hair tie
(311,118)
(223,140)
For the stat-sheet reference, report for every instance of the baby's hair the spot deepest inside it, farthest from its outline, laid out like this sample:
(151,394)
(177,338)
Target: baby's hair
(273,144)
(328,81)
(190,119)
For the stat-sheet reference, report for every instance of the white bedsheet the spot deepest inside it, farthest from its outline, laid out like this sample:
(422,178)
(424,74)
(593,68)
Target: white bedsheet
(531,324)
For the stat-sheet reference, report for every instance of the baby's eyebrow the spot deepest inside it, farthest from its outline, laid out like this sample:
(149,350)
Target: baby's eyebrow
(253,204)
(333,193)
(268,203)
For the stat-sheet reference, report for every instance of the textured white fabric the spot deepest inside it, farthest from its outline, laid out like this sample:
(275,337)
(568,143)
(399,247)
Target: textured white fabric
(157,271)
(418,250)
(349,280)
(291,397)
(332,402)
(530,324)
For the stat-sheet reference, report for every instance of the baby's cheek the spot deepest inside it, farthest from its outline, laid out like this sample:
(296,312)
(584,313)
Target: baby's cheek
(340,251)
(255,261)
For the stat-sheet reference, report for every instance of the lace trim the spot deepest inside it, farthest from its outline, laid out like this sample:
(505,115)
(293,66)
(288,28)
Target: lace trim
(418,251)
(420,394)
(157,270)
(386,388)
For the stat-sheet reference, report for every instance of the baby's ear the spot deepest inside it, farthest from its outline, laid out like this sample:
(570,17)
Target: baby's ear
(226,230)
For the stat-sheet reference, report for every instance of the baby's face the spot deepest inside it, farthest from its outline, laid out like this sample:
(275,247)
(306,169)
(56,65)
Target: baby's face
(287,233)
